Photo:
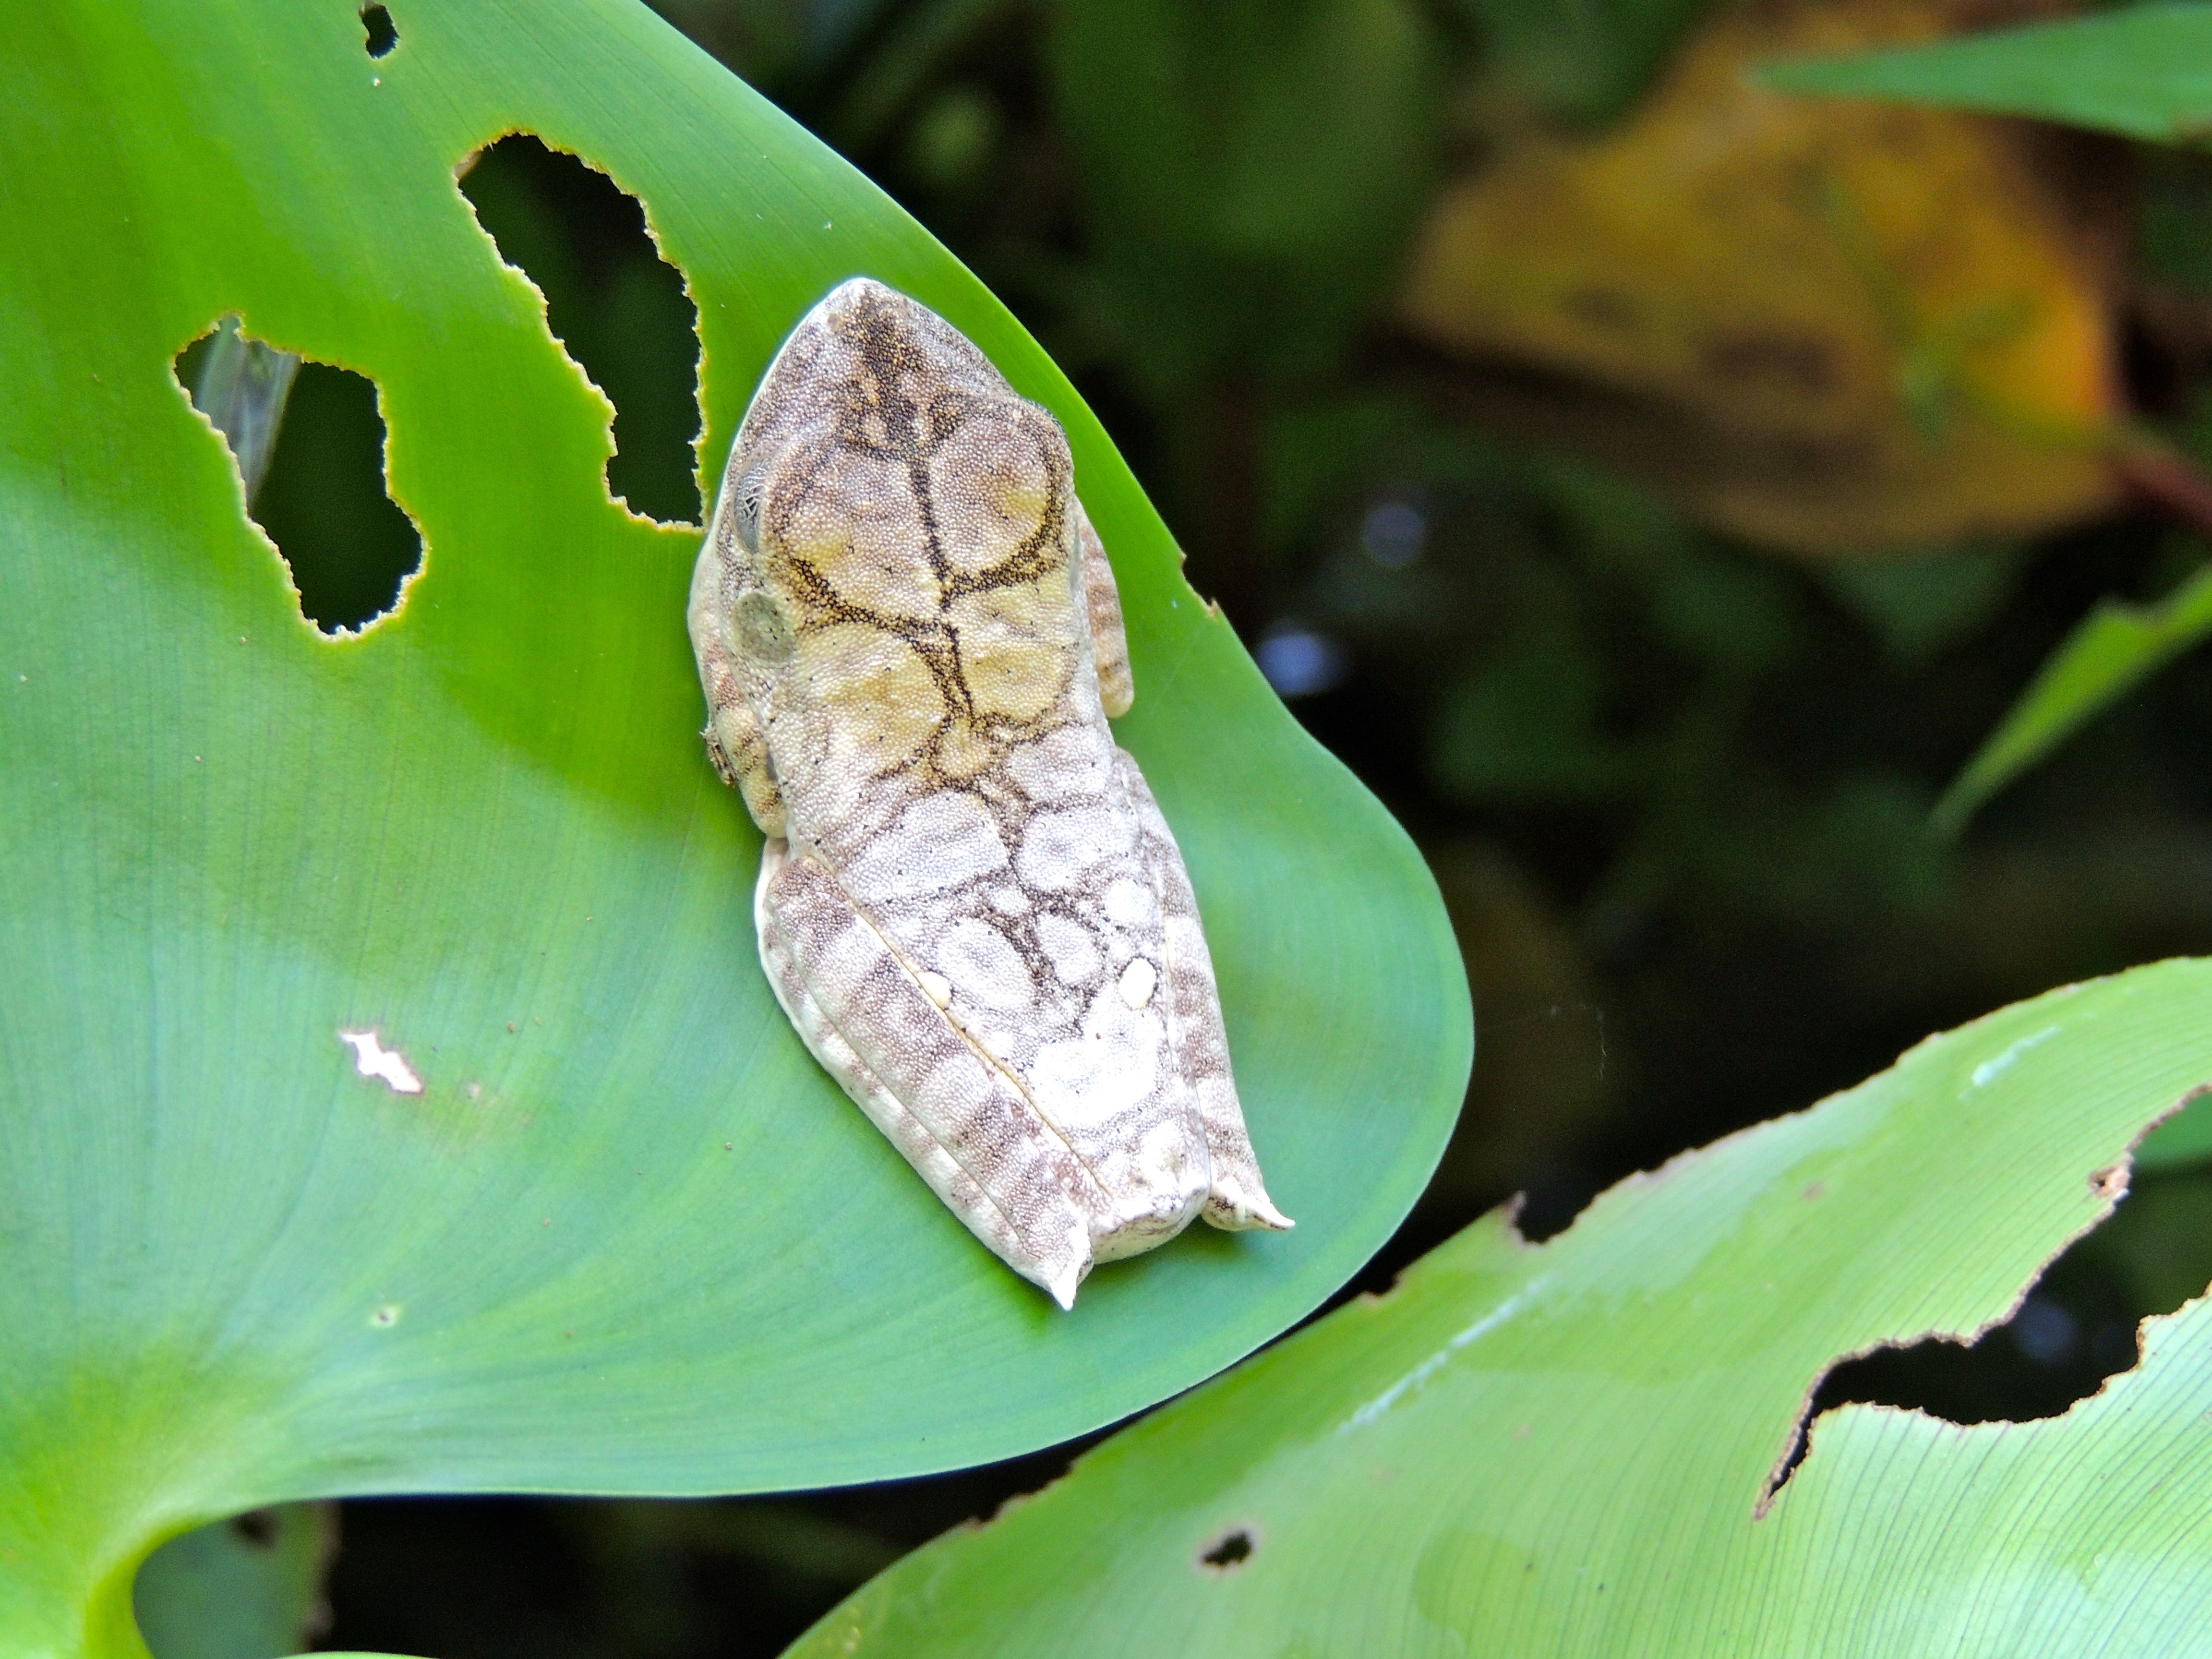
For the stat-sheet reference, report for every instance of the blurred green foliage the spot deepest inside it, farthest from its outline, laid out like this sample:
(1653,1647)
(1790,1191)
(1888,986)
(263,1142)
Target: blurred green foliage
(1676,789)
(1250,172)
(2117,646)
(246,1589)
(2136,73)
(1582,60)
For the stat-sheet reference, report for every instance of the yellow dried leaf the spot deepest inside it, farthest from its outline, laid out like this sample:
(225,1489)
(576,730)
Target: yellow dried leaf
(1840,326)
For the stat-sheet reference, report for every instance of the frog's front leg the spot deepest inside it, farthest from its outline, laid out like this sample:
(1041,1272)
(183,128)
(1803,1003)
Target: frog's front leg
(1102,601)
(955,1116)
(735,741)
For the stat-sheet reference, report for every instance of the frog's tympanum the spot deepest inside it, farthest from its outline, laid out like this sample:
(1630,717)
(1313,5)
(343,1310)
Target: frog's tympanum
(969,904)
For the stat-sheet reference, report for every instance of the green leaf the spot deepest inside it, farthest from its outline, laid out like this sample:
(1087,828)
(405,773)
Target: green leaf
(628,1238)
(1568,1448)
(2110,650)
(2141,72)
(2182,1141)
(2161,1240)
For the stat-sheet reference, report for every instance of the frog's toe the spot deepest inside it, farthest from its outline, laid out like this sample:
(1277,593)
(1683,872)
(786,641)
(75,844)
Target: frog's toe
(1062,1286)
(1045,1240)
(1235,1206)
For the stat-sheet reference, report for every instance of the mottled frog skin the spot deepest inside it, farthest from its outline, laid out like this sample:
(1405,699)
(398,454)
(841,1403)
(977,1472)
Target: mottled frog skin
(969,904)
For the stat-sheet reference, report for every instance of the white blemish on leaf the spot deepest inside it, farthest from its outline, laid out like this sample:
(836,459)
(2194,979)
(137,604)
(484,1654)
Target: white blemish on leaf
(388,1066)
(1990,1070)
(1436,1361)
(386,1316)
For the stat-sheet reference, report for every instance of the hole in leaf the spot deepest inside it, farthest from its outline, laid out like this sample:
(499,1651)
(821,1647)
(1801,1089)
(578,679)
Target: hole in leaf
(308,439)
(2077,1326)
(618,308)
(383,34)
(1230,1551)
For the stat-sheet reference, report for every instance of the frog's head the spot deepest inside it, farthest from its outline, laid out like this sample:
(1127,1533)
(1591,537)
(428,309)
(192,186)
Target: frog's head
(885,467)
(899,523)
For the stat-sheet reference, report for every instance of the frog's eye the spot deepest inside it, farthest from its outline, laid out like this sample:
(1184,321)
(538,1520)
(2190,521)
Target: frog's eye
(746,507)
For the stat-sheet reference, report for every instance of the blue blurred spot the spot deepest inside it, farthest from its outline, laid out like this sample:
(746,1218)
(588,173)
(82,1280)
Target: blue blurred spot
(1393,533)
(1298,661)
(2046,1332)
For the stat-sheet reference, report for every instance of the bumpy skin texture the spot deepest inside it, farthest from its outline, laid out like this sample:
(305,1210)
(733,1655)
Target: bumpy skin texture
(969,904)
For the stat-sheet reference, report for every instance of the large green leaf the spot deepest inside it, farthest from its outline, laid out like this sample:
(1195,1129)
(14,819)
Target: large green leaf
(628,1237)
(1568,1448)
(2142,71)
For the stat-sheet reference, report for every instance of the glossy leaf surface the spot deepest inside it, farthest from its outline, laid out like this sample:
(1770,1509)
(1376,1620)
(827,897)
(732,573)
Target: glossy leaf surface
(628,1237)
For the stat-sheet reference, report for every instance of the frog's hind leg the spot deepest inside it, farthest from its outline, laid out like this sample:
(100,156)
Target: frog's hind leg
(978,1143)
(1238,1198)
(901,1127)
